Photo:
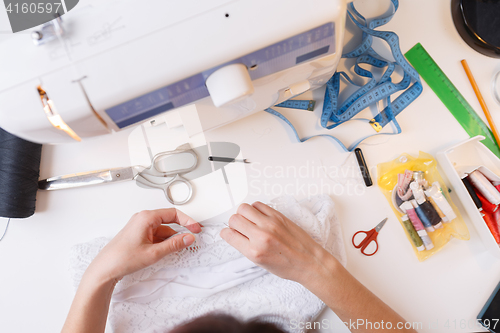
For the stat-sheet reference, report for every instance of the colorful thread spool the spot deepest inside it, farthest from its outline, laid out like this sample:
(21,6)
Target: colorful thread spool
(435,193)
(418,193)
(426,239)
(425,211)
(472,193)
(491,222)
(412,214)
(425,221)
(496,218)
(417,224)
(487,206)
(438,210)
(415,238)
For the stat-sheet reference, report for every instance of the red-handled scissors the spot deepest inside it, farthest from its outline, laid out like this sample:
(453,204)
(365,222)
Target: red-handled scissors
(371,236)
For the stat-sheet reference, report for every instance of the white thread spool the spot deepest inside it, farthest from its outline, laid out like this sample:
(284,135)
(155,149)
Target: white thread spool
(418,193)
(425,239)
(483,185)
(229,84)
(435,193)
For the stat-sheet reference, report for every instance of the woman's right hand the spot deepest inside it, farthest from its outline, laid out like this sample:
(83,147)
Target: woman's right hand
(275,243)
(272,241)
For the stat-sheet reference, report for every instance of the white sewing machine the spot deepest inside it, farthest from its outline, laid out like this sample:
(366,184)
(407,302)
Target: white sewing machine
(114,64)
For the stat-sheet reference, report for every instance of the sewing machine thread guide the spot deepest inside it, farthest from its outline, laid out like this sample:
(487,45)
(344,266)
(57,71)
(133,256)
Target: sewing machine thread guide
(450,96)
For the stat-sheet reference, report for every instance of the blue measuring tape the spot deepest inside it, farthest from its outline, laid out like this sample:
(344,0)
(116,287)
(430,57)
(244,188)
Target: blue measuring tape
(298,104)
(374,90)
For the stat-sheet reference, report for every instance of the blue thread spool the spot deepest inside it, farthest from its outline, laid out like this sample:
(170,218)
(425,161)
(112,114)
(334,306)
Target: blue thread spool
(428,215)
(425,221)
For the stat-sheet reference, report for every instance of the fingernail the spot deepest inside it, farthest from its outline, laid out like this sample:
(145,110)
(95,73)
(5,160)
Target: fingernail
(188,240)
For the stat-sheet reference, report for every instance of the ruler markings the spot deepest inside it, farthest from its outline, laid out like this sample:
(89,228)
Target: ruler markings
(450,96)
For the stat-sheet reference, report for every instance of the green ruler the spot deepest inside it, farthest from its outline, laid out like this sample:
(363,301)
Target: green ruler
(450,96)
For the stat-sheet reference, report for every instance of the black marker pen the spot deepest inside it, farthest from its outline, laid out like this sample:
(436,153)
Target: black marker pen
(362,166)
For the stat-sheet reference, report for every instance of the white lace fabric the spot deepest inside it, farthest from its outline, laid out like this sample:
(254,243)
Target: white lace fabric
(211,276)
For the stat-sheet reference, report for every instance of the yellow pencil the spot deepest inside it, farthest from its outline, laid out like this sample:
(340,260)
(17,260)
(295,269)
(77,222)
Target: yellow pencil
(481,101)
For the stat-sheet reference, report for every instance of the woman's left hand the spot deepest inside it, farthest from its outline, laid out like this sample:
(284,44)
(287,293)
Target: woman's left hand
(142,242)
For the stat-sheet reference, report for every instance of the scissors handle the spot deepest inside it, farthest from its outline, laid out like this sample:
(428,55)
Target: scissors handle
(371,236)
(178,179)
(153,170)
(166,187)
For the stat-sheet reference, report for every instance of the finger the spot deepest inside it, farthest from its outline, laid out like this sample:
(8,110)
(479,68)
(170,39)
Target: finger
(236,240)
(172,245)
(164,232)
(250,213)
(242,225)
(157,239)
(172,215)
(193,227)
(264,209)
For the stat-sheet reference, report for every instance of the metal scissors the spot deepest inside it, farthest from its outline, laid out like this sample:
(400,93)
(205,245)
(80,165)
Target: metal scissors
(371,236)
(151,176)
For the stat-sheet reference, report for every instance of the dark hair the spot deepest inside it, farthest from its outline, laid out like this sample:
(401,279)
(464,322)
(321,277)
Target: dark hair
(223,323)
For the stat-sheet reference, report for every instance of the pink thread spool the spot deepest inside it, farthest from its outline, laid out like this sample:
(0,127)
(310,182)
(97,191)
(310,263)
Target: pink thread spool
(412,214)
(417,224)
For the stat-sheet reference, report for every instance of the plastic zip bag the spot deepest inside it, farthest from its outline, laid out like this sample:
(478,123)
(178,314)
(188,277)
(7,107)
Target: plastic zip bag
(420,200)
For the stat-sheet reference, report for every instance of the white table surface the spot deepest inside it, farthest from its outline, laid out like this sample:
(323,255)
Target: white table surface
(445,291)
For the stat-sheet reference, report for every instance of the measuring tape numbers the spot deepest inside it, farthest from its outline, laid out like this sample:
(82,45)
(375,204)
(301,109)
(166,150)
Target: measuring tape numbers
(298,104)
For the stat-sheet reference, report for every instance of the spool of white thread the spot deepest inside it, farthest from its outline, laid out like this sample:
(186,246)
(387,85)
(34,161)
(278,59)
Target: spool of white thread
(483,185)
(435,193)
